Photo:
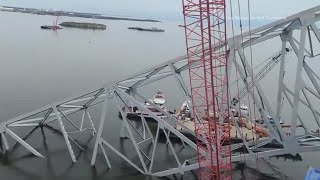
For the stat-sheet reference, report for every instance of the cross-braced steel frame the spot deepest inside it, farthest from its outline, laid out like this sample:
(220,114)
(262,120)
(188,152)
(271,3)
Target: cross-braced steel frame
(126,93)
(205,28)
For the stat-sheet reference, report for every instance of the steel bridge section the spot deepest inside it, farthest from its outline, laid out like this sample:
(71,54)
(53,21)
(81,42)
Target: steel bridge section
(126,90)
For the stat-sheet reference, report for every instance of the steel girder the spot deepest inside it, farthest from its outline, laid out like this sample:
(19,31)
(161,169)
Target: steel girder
(59,112)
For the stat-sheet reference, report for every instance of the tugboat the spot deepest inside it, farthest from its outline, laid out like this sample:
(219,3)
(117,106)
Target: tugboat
(134,113)
(54,27)
(50,27)
(159,99)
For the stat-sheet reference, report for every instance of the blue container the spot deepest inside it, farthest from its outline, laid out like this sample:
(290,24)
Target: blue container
(313,174)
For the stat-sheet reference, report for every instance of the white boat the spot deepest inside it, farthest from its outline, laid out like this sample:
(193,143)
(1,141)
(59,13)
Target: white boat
(159,99)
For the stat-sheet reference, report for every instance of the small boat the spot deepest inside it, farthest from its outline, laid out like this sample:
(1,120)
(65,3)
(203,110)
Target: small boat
(50,27)
(53,27)
(158,100)
(153,29)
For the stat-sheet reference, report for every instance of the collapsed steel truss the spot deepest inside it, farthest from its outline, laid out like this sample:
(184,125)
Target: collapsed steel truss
(125,92)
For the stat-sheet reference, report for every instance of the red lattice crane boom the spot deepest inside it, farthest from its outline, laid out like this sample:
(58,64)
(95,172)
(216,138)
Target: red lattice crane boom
(205,30)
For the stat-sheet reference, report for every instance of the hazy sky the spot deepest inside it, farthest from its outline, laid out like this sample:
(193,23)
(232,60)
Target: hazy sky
(163,9)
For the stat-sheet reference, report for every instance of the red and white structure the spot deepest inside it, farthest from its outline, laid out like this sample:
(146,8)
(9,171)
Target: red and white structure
(205,30)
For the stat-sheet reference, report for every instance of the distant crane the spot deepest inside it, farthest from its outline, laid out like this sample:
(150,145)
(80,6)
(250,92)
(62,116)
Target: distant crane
(54,26)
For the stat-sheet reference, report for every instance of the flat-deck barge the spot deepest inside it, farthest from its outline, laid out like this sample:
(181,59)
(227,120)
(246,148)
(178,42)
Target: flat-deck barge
(84,25)
(146,29)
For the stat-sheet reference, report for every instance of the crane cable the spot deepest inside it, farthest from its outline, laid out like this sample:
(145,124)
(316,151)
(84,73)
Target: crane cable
(242,60)
(237,83)
(241,31)
(253,99)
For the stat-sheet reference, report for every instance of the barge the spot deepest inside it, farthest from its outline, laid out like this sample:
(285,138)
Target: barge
(83,25)
(248,130)
(146,29)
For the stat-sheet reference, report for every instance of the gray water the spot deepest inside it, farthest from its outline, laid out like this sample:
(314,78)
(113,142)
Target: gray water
(39,67)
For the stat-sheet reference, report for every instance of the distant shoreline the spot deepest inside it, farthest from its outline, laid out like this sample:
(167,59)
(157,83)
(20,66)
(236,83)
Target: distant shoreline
(69,14)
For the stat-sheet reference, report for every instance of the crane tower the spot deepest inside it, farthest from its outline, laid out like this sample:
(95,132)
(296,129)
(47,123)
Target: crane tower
(205,30)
